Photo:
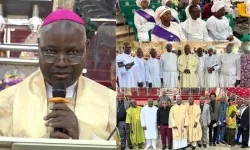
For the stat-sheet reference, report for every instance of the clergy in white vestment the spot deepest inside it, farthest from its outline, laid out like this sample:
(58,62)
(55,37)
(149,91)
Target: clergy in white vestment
(126,65)
(187,66)
(230,68)
(200,70)
(229,7)
(194,28)
(144,20)
(178,121)
(248,7)
(218,25)
(192,2)
(169,68)
(142,76)
(165,29)
(149,124)
(154,69)
(174,13)
(212,66)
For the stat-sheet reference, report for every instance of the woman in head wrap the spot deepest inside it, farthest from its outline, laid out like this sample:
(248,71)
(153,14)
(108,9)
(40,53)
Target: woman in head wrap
(165,30)
(174,13)
(144,19)
(218,25)
(211,67)
(192,2)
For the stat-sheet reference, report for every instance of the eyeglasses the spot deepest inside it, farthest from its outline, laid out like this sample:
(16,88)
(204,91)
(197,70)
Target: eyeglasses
(72,59)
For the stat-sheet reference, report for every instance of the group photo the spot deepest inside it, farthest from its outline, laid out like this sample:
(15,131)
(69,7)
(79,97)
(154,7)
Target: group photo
(183,118)
(183,20)
(182,64)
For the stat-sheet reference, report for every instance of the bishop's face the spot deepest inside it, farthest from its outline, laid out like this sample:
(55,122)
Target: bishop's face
(63,45)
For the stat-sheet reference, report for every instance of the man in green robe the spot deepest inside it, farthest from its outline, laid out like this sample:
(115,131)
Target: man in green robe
(136,130)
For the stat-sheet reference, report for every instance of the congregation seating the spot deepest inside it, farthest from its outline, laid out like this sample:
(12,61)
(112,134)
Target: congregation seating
(96,8)
(128,8)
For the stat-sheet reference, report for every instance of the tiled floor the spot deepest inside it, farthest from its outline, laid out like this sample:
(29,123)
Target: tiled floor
(218,147)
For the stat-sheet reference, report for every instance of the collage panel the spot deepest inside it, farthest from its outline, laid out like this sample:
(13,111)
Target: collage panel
(182,64)
(179,21)
(183,118)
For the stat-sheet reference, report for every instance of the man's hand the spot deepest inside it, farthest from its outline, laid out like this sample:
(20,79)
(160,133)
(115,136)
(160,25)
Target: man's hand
(159,127)
(140,84)
(187,71)
(211,69)
(195,124)
(230,38)
(144,128)
(237,83)
(131,131)
(128,66)
(63,118)
(150,85)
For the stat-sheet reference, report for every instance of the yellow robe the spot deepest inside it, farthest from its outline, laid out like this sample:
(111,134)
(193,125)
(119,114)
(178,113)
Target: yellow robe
(188,62)
(194,134)
(23,106)
(178,117)
(133,118)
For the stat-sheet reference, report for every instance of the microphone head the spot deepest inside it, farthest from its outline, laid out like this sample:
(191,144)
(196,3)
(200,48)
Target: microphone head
(59,90)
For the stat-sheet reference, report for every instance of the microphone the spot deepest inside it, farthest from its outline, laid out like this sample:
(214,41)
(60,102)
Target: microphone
(59,90)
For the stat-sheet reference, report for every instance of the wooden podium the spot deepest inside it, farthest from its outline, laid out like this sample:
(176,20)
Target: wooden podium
(10,143)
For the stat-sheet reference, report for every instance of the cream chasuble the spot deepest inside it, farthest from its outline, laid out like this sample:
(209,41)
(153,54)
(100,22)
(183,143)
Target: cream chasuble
(194,134)
(188,62)
(178,118)
(24,105)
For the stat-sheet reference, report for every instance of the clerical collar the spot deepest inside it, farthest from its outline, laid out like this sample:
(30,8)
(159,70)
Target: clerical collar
(69,90)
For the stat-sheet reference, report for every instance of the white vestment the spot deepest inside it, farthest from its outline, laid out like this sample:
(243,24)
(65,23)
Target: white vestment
(154,69)
(195,30)
(187,11)
(228,8)
(248,7)
(219,29)
(149,120)
(230,69)
(200,71)
(174,28)
(174,14)
(142,25)
(212,80)
(169,69)
(126,77)
(141,71)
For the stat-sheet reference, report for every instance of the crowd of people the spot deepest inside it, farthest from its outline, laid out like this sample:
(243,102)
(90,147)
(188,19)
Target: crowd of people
(164,24)
(203,68)
(181,125)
